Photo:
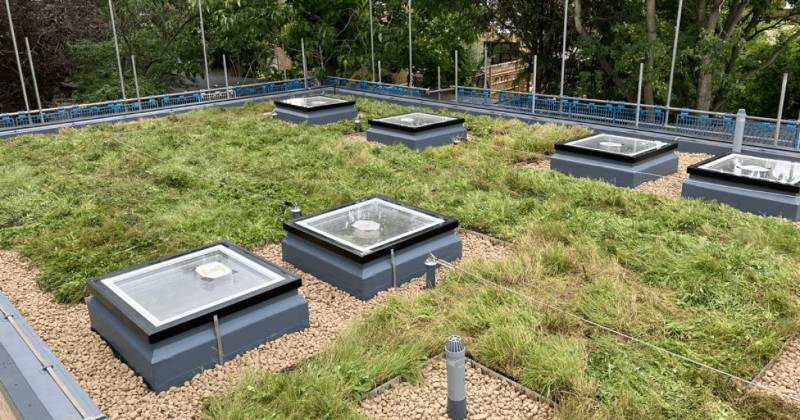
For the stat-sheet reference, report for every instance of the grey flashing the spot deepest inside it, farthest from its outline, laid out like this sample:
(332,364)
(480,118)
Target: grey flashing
(369,245)
(416,130)
(33,382)
(754,199)
(315,110)
(171,318)
(616,159)
(754,184)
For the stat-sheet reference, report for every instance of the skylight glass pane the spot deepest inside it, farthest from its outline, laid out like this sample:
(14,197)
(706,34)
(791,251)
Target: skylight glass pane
(367,225)
(180,286)
(773,170)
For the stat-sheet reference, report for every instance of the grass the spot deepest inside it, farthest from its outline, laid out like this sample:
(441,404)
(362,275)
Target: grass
(86,202)
(700,279)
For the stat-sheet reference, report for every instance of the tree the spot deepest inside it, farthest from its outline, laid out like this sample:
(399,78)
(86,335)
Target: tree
(608,39)
(51,26)
(337,34)
(247,32)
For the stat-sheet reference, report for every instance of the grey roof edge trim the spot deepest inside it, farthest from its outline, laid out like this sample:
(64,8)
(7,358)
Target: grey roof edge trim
(33,379)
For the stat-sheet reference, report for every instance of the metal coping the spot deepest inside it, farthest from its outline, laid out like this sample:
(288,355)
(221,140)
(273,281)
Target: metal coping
(644,155)
(151,333)
(381,122)
(697,169)
(337,247)
(341,103)
(36,349)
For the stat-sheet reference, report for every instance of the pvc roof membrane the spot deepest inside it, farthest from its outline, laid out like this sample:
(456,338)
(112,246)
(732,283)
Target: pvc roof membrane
(313,102)
(755,167)
(367,225)
(416,120)
(627,146)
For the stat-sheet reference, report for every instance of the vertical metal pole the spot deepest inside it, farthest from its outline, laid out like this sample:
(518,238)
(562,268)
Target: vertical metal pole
(305,69)
(533,84)
(439,82)
(780,108)
(485,67)
(410,50)
(639,93)
(116,48)
(380,79)
(284,52)
(738,133)
(371,42)
(203,36)
(218,333)
(674,55)
(797,142)
(564,47)
(456,75)
(135,77)
(19,64)
(394,267)
(36,85)
(225,71)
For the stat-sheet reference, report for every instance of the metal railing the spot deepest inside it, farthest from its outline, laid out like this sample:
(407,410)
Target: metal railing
(765,132)
(377,87)
(683,121)
(61,114)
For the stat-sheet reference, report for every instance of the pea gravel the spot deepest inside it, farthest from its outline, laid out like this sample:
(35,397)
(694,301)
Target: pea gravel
(488,397)
(671,185)
(783,375)
(121,394)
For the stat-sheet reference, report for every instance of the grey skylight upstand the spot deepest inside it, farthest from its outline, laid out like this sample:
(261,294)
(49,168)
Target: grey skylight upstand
(351,246)
(315,110)
(622,161)
(416,130)
(158,316)
(749,183)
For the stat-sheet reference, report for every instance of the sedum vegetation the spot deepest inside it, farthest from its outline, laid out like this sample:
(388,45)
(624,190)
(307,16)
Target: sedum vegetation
(701,279)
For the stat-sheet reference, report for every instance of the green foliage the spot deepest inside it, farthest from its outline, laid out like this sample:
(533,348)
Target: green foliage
(160,33)
(337,35)
(97,77)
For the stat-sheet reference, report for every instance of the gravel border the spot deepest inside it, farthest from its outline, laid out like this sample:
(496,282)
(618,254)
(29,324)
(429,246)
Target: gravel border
(782,374)
(671,185)
(121,394)
(490,395)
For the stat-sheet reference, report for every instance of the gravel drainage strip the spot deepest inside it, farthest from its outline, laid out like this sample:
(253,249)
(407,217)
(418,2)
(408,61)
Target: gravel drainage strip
(121,394)
(490,395)
(782,374)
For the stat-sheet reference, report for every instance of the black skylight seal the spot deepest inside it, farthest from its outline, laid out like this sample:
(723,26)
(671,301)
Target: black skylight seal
(152,333)
(447,224)
(567,147)
(764,183)
(388,124)
(284,104)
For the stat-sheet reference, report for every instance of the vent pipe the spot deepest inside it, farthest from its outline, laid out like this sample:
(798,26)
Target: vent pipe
(430,272)
(295,209)
(456,378)
(738,133)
